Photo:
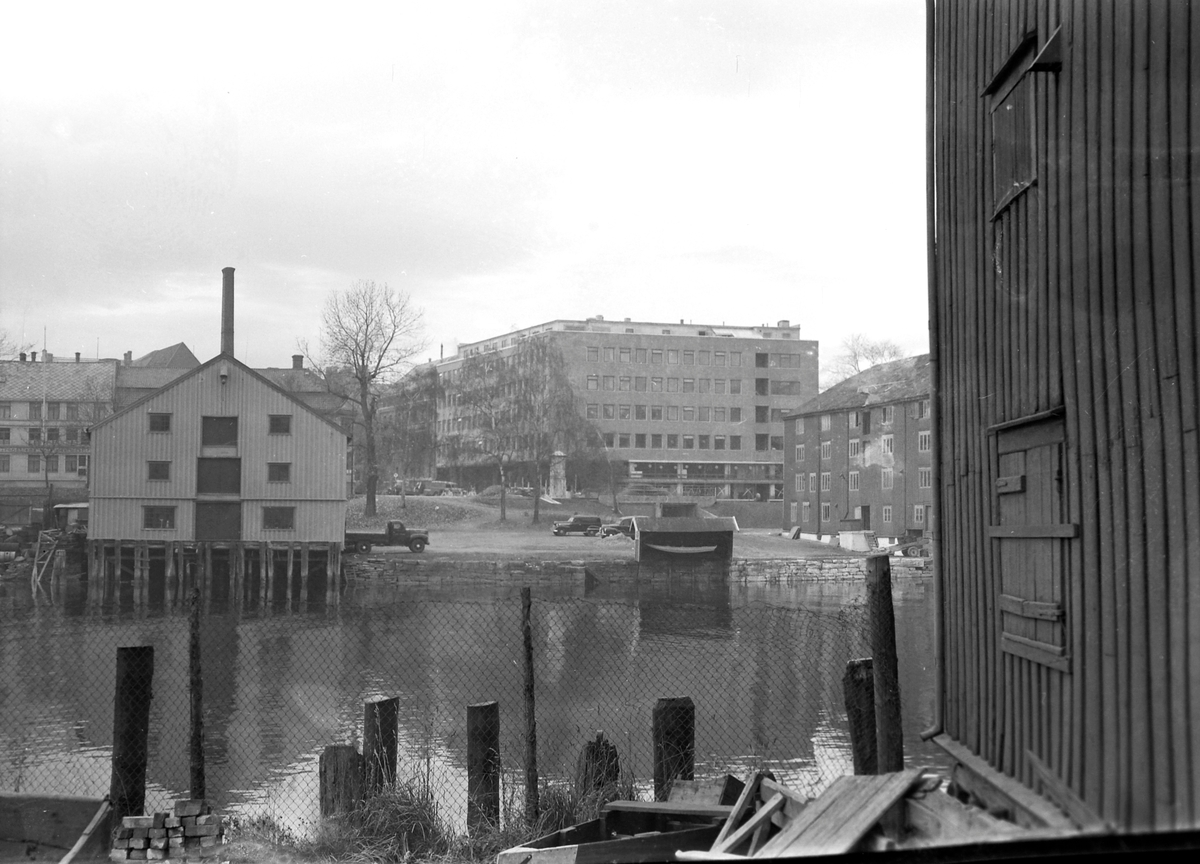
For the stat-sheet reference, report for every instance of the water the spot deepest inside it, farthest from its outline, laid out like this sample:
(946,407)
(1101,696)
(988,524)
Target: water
(762,663)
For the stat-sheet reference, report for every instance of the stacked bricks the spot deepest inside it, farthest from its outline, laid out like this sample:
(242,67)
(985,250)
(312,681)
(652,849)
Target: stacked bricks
(191,833)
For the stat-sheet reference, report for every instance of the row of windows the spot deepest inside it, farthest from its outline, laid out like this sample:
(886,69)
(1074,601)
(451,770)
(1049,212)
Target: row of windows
(672,441)
(651,384)
(703,413)
(854,446)
(808,482)
(656,356)
(53,410)
(160,518)
(36,464)
(36,434)
(277,472)
(885,516)
(221,431)
(862,419)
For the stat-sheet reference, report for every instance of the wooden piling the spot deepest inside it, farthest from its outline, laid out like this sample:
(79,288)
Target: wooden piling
(269,563)
(531,768)
(483,765)
(333,569)
(881,621)
(169,587)
(290,552)
(380,744)
(131,726)
(340,772)
(196,699)
(673,731)
(304,570)
(858,691)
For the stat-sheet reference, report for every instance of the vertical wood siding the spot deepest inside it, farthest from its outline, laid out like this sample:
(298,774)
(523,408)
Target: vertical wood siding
(1078,298)
(122,447)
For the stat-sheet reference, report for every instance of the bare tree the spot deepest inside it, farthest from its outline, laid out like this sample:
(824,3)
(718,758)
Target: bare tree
(368,334)
(407,438)
(485,392)
(859,353)
(10,348)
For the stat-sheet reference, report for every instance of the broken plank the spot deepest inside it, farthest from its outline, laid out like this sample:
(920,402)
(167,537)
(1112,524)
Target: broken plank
(753,824)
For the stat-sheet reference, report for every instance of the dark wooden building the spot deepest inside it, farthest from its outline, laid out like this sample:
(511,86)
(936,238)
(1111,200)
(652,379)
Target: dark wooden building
(1065,152)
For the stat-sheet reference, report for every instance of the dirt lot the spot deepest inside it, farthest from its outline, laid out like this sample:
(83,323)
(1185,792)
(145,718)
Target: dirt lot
(470,528)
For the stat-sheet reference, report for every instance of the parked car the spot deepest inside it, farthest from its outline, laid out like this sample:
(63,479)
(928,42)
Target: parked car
(623,526)
(589,525)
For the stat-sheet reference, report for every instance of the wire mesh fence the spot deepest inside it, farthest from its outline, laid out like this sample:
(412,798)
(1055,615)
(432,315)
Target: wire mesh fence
(280,684)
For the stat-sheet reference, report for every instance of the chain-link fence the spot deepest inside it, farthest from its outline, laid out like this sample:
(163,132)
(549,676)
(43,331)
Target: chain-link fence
(280,684)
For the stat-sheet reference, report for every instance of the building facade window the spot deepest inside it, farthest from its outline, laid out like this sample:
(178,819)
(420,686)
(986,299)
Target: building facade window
(593,411)
(885,478)
(824,511)
(610,411)
(158,471)
(888,443)
(735,386)
(826,449)
(281,424)
(5,410)
(639,440)
(5,464)
(888,413)
(922,409)
(919,514)
(35,410)
(279,518)
(33,464)
(610,355)
(925,478)
(624,382)
(639,412)
(52,464)
(160,422)
(855,447)
(735,442)
(610,382)
(826,481)
(798,426)
(853,481)
(887,513)
(735,415)
(806,510)
(923,441)
(826,422)
(801,485)
(158,518)
(279,472)
(593,354)
(799,452)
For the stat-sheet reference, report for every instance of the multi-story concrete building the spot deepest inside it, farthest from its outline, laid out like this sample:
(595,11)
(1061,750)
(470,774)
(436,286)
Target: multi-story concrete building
(682,409)
(46,406)
(859,456)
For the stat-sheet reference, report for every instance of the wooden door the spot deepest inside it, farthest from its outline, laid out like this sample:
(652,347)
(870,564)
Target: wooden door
(1032,535)
(218,520)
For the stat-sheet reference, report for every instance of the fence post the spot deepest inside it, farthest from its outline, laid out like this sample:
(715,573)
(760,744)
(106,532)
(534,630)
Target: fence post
(340,773)
(196,693)
(673,731)
(531,769)
(380,723)
(131,726)
(483,764)
(858,691)
(882,621)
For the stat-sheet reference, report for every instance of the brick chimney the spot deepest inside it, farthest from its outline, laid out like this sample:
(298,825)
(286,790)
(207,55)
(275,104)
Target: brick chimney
(128,358)
(22,356)
(76,356)
(297,361)
(227,311)
(32,356)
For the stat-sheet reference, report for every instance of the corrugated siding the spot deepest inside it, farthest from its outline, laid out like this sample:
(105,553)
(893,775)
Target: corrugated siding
(122,448)
(1080,296)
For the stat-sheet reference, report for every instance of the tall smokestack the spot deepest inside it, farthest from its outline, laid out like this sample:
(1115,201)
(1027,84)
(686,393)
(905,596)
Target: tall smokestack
(227,311)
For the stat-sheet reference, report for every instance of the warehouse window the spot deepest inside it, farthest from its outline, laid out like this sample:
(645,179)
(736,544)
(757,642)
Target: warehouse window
(279,472)
(281,424)
(158,471)
(279,518)
(160,422)
(158,518)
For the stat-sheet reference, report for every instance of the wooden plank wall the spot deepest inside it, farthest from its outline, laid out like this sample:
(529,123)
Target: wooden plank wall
(1081,296)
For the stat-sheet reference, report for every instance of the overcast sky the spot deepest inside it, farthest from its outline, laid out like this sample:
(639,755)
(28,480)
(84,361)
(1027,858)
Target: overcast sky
(504,163)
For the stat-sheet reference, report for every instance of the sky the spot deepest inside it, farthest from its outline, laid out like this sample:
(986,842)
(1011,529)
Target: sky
(503,163)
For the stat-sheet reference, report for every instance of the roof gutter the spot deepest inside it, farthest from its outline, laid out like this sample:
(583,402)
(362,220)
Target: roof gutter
(935,388)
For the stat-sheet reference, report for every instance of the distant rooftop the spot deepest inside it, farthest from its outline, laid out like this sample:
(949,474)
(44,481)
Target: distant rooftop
(896,381)
(599,324)
(177,356)
(58,381)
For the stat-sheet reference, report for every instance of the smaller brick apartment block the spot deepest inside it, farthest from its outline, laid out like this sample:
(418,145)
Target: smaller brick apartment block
(859,455)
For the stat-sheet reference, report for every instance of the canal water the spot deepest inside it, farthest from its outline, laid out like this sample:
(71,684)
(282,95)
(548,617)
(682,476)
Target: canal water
(761,661)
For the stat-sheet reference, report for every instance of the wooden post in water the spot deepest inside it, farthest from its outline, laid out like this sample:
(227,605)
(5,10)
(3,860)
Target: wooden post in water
(340,772)
(304,570)
(131,726)
(290,552)
(196,698)
(483,765)
(269,563)
(673,731)
(380,744)
(881,620)
(333,569)
(531,768)
(858,691)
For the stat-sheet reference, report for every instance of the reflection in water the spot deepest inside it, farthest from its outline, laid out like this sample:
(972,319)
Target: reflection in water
(763,664)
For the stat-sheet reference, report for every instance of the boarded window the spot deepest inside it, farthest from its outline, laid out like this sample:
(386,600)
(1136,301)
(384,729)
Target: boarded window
(1012,104)
(219,431)
(281,424)
(160,422)
(159,471)
(219,476)
(279,518)
(158,518)
(279,472)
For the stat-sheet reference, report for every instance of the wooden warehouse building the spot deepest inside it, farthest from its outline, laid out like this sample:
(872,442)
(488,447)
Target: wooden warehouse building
(220,474)
(1065,162)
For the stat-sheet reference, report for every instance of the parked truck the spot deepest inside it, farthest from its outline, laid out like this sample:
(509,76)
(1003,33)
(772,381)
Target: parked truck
(396,534)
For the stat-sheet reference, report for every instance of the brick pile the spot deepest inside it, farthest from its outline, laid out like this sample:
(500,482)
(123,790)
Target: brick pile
(192,832)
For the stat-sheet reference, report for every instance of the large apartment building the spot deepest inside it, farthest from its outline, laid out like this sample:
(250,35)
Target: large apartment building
(859,456)
(680,408)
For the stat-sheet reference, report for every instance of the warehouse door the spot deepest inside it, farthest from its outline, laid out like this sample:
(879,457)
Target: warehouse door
(218,520)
